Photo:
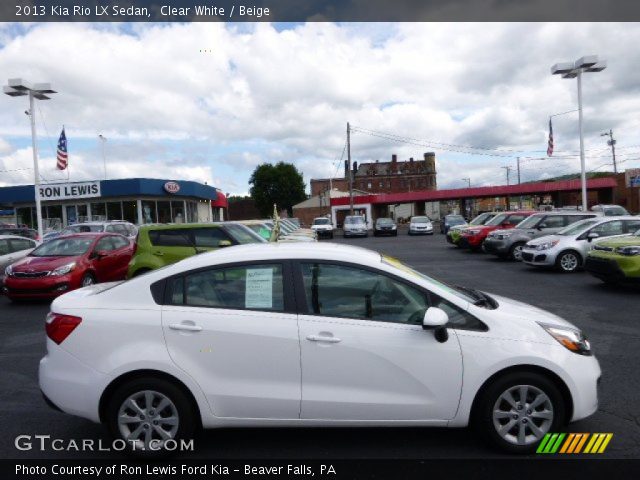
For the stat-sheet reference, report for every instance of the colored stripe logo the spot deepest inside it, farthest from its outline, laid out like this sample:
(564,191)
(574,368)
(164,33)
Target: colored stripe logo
(574,443)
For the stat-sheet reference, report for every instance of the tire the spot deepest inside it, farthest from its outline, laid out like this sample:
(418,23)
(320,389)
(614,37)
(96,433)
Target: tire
(568,261)
(140,390)
(516,435)
(331,235)
(395,234)
(87,279)
(515,252)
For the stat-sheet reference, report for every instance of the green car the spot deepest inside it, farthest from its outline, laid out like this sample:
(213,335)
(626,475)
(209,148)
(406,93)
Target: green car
(160,245)
(616,260)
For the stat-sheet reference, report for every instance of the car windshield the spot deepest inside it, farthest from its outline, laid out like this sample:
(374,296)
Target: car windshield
(577,227)
(321,221)
(481,219)
(394,262)
(420,220)
(354,220)
(384,221)
(529,222)
(498,219)
(63,247)
(455,219)
(243,234)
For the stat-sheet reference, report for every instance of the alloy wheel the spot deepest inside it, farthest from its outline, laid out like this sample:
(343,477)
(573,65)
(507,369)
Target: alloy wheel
(569,262)
(522,415)
(516,253)
(148,416)
(87,280)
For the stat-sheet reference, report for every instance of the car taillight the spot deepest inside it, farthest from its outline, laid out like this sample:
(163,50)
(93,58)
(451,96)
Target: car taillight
(59,326)
(135,244)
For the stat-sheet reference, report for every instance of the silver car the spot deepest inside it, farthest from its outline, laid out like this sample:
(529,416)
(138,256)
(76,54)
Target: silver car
(355,226)
(12,249)
(567,249)
(420,226)
(509,243)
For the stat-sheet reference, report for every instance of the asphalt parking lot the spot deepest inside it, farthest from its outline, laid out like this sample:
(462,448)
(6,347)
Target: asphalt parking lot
(609,316)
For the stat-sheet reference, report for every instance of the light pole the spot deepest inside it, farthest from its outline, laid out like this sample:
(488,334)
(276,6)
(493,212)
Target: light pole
(612,143)
(103,139)
(17,87)
(575,69)
(468,180)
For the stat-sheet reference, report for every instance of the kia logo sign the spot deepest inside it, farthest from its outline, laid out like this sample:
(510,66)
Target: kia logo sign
(171,187)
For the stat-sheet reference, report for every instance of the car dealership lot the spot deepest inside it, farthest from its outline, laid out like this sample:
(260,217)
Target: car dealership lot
(605,314)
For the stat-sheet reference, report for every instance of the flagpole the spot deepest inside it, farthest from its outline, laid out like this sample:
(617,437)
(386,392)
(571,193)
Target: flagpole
(68,163)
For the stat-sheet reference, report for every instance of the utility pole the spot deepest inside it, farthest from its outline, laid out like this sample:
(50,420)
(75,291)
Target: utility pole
(508,169)
(350,171)
(612,143)
(103,140)
(520,198)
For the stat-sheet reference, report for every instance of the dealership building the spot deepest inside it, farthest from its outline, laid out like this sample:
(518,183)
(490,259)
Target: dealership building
(137,200)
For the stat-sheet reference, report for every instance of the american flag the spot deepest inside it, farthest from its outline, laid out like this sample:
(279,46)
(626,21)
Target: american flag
(63,157)
(550,144)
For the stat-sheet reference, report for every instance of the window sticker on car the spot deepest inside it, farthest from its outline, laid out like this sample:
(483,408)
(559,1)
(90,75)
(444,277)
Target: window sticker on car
(259,288)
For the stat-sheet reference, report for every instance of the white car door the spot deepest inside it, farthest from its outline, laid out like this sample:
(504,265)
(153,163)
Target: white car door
(234,330)
(365,355)
(613,228)
(13,249)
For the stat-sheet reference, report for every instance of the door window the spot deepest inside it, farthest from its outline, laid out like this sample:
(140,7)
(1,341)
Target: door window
(209,237)
(553,221)
(19,244)
(171,238)
(609,228)
(4,247)
(105,244)
(247,287)
(119,242)
(344,291)
(632,226)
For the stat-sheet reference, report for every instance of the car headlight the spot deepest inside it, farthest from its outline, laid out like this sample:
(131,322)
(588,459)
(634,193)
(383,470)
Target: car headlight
(63,270)
(393,227)
(569,338)
(629,250)
(545,245)
(8,271)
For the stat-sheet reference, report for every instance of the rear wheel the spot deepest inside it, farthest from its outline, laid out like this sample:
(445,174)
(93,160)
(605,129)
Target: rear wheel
(147,413)
(568,262)
(517,410)
(515,252)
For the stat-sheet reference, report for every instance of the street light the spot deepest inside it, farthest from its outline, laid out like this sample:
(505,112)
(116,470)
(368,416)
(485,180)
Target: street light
(18,87)
(588,64)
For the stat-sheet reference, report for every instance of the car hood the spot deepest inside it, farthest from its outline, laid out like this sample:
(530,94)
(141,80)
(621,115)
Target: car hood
(420,224)
(39,264)
(547,238)
(483,228)
(321,227)
(631,240)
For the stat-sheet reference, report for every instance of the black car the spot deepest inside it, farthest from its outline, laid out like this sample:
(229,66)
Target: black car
(385,226)
(449,221)
(21,232)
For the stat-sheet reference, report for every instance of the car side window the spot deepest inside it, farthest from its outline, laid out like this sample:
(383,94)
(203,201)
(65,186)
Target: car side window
(179,237)
(458,318)
(104,244)
(110,229)
(609,228)
(515,219)
(553,221)
(119,242)
(209,237)
(350,292)
(632,226)
(4,247)
(17,245)
(247,287)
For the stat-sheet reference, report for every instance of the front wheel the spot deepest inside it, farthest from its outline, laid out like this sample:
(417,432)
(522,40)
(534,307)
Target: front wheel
(568,262)
(87,280)
(516,411)
(515,252)
(147,413)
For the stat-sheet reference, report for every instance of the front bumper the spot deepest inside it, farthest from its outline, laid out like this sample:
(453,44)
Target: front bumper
(613,269)
(539,258)
(420,231)
(468,241)
(496,246)
(355,233)
(323,233)
(386,231)
(43,287)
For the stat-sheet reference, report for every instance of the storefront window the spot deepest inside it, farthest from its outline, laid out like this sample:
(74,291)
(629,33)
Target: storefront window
(82,213)
(24,216)
(177,212)
(130,211)
(114,210)
(149,212)
(164,212)
(192,212)
(98,212)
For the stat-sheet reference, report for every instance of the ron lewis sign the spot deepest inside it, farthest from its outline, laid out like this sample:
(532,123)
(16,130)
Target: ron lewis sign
(69,191)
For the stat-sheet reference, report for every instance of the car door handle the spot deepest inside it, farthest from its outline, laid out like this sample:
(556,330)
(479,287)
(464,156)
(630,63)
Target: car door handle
(188,327)
(323,338)
(158,254)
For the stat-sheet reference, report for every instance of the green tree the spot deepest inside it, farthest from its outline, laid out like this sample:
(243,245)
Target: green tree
(281,184)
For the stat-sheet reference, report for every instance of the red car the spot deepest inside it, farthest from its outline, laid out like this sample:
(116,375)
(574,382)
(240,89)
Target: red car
(473,237)
(67,263)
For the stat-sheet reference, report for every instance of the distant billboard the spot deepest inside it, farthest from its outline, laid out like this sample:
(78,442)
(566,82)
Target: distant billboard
(632,177)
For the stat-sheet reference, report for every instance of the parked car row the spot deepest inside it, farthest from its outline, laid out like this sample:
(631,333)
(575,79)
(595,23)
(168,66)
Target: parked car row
(603,241)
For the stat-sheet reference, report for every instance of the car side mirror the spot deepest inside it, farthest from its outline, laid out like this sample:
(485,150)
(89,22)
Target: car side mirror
(97,255)
(224,243)
(541,226)
(592,236)
(436,319)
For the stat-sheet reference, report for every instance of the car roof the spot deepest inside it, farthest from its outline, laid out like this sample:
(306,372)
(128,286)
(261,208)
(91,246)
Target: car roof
(87,234)
(282,251)
(18,237)
(172,226)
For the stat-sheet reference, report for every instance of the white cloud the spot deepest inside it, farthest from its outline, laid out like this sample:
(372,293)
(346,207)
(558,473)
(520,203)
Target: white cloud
(256,94)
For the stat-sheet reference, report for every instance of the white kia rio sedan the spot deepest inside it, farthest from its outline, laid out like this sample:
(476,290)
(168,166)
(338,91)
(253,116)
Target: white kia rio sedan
(332,335)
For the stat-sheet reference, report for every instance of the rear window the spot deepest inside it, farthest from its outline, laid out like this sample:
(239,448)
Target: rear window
(321,221)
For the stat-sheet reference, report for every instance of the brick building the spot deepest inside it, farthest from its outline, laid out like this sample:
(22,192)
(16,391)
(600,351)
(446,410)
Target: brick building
(385,177)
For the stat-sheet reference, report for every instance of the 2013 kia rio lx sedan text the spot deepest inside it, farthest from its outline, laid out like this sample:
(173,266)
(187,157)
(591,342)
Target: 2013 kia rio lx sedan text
(286,335)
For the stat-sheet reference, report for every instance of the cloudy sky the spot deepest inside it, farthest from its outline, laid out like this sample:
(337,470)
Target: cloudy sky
(209,102)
